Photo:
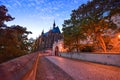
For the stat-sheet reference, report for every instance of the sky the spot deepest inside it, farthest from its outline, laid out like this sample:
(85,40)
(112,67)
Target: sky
(39,15)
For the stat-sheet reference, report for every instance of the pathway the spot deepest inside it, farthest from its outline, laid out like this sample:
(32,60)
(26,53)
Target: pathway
(81,70)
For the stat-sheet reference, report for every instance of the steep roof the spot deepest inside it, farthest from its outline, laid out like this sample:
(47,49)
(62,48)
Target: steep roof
(53,30)
(56,30)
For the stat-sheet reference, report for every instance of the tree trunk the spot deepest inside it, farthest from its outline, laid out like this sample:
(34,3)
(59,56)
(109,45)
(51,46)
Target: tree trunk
(102,44)
(77,43)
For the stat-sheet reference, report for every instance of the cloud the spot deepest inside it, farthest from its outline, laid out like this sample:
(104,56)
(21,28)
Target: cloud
(32,4)
(57,15)
(37,8)
(18,3)
(40,1)
(40,13)
(2,1)
(47,17)
(8,6)
(75,1)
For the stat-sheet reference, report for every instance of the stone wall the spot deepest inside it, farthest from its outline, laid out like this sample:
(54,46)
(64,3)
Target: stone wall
(111,59)
(18,68)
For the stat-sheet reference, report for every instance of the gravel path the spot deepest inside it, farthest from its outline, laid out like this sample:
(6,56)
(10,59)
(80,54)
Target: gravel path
(48,71)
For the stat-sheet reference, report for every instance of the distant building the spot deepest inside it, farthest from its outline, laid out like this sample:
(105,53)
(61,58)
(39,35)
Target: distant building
(47,39)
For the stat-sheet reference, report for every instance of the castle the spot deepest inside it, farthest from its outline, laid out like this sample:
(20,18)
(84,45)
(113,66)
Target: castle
(46,40)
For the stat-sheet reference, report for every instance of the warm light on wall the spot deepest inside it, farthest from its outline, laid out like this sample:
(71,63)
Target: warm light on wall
(60,48)
(119,36)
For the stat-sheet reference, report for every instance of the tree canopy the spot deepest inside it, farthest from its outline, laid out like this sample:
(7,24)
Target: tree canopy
(4,16)
(14,39)
(91,20)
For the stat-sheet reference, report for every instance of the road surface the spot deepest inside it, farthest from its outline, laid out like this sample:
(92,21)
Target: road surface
(48,71)
(59,68)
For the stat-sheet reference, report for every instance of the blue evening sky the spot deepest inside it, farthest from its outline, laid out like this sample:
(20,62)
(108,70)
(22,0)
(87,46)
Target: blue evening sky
(38,15)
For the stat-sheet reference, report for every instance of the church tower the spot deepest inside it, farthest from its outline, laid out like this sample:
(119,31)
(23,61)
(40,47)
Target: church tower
(42,32)
(54,24)
(47,39)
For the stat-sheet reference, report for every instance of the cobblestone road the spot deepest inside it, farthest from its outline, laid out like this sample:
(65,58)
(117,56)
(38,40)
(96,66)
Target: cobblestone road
(48,71)
(81,70)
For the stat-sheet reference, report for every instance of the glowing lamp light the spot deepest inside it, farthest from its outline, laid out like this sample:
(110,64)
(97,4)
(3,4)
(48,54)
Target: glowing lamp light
(119,36)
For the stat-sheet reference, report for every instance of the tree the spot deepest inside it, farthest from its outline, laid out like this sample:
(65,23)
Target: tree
(13,40)
(94,20)
(4,16)
(21,34)
(72,34)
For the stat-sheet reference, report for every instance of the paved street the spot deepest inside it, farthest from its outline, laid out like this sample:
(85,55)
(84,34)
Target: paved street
(80,70)
(48,71)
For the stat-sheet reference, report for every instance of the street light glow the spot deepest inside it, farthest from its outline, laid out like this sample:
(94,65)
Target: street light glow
(119,36)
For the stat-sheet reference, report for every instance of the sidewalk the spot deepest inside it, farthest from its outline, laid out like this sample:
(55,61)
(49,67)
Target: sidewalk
(80,70)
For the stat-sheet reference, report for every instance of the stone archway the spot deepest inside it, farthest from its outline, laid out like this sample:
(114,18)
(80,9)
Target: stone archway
(56,51)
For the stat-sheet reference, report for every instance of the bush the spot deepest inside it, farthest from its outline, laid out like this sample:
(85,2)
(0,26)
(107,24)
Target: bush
(87,49)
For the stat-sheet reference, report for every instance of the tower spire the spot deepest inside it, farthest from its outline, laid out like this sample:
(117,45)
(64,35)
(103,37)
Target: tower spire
(54,24)
(42,32)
